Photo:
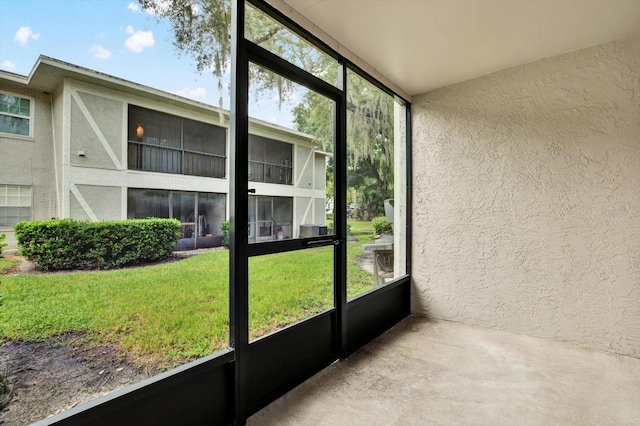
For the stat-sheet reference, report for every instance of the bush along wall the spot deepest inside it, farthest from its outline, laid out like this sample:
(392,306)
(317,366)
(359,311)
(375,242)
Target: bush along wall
(2,244)
(225,227)
(381,225)
(71,244)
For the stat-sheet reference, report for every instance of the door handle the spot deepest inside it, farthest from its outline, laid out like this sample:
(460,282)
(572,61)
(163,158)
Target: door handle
(324,242)
(251,191)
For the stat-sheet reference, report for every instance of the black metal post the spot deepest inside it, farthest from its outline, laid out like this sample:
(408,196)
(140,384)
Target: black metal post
(238,209)
(409,172)
(340,214)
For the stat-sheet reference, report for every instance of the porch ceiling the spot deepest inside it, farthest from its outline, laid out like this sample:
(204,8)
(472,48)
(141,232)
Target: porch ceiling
(421,45)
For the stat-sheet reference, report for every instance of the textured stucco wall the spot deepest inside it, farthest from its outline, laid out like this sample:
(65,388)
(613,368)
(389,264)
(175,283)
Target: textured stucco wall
(527,199)
(95,118)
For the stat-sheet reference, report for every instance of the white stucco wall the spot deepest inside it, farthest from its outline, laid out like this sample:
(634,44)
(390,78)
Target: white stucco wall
(527,199)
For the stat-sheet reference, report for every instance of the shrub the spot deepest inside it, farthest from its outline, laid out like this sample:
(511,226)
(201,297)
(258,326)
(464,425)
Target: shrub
(2,245)
(72,244)
(381,225)
(225,227)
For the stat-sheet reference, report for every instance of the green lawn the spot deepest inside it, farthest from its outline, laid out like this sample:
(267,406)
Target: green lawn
(172,312)
(359,227)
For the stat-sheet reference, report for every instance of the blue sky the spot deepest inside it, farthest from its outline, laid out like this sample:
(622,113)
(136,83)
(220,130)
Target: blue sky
(111,36)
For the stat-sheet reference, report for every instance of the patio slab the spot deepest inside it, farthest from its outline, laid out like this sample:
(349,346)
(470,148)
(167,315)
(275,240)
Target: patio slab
(426,372)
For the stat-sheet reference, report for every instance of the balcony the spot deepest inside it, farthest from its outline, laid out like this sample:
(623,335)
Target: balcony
(154,158)
(270,173)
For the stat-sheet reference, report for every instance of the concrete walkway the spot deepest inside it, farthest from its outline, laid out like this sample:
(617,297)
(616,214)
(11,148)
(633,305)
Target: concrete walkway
(443,373)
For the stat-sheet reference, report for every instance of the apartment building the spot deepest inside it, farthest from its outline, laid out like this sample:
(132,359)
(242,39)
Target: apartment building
(77,143)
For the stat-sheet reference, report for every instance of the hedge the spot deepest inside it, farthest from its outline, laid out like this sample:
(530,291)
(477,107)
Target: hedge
(71,244)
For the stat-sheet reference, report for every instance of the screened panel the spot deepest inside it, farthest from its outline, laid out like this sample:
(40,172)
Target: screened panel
(376,185)
(131,127)
(146,203)
(154,127)
(211,213)
(296,164)
(270,34)
(166,143)
(270,161)
(153,107)
(270,218)
(204,138)
(285,288)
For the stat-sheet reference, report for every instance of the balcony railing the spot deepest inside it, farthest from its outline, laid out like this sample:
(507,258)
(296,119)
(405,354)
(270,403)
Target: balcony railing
(270,173)
(154,158)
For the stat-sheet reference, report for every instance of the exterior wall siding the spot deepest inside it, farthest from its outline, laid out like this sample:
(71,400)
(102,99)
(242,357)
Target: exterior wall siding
(96,131)
(97,202)
(527,199)
(28,161)
(57,148)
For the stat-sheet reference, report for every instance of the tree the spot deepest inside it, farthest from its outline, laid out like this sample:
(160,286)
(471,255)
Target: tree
(201,30)
(370,129)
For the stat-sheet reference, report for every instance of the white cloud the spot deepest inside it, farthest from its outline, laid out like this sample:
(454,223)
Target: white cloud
(100,52)
(24,34)
(138,40)
(197,93)
(8,65)
(133,7)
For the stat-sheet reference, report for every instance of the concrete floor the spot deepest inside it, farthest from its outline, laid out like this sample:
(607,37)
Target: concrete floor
(443,373)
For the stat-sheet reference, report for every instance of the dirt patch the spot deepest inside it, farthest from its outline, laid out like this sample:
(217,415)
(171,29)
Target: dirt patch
(38,379)
(50,376)
(26,266)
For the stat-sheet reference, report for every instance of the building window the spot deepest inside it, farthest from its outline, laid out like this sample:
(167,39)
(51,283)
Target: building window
(15,115)
(15,204)
(166,143)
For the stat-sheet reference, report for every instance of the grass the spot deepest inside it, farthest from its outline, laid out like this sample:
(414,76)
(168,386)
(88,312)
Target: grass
(171,312)
(7,263)
(360,227)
